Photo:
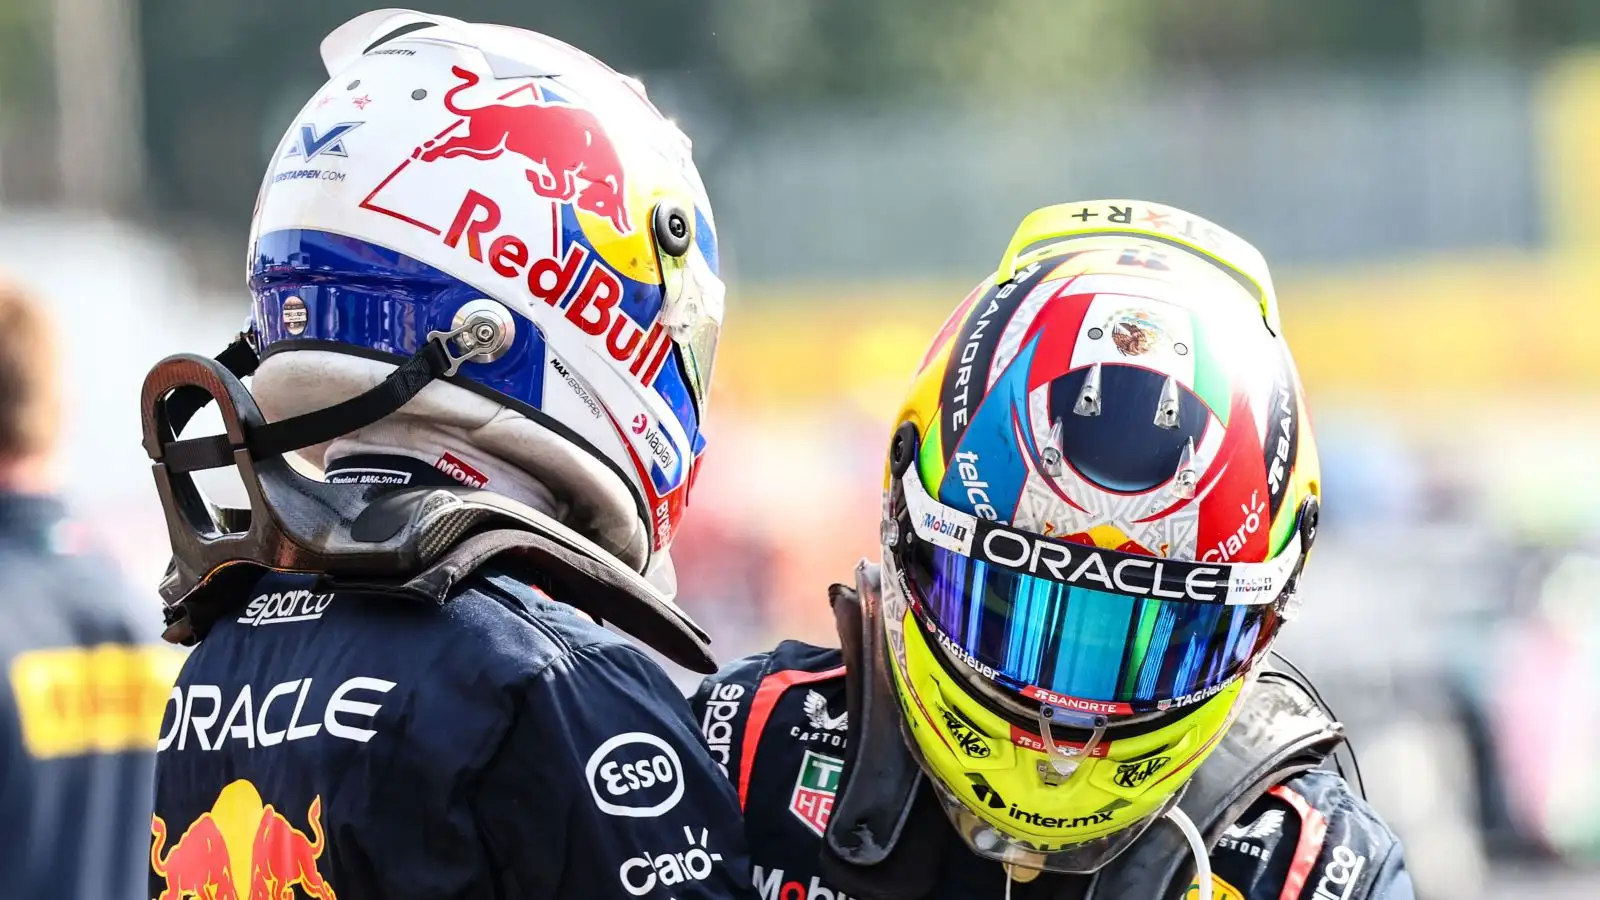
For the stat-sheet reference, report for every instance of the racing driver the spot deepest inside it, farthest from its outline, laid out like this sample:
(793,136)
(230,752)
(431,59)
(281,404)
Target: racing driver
(485,307)
(1099,497)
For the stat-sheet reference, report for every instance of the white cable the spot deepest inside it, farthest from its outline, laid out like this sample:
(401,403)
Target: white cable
(1009,880)
(1197,846)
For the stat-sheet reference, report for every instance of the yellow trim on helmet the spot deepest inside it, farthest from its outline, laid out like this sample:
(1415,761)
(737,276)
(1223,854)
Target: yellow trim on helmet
(922,410)
(958,737)
(634,254)
(1160,222)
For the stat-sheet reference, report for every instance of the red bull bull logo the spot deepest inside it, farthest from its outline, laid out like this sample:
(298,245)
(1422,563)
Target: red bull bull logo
(562,143)
(240,836)
(197,865)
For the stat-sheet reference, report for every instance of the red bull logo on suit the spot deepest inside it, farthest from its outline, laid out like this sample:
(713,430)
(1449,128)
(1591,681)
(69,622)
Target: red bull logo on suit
(241,849)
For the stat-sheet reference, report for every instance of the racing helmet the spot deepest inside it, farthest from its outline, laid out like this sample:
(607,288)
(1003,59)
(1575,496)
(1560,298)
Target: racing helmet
(511,195)
(1100,495)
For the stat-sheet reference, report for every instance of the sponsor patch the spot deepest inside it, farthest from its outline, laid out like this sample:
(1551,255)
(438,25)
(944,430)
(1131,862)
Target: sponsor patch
(1282,440)
(461,471)
(825,728)
(1267,825)
(966,376)
(77,701)
(819,717)
(716,723)
(641,874)
(1249,839)
(197,710)
(965,736)
(1080,566)
(636,774)
(308,143)
(281,607)
(1136,773)
(242,847)
(368,476)
(814,789)
(772,886)
(1340,874)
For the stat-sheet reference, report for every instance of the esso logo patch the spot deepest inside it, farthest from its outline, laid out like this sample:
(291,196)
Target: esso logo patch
(636,775)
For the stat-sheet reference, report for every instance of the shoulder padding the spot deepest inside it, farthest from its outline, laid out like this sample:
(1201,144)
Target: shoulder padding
(735,706)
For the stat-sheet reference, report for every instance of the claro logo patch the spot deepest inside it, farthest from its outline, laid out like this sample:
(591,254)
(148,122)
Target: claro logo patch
(636,774)
(641,874)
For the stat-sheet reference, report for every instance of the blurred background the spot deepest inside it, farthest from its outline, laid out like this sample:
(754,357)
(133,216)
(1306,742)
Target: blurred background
(1424,176)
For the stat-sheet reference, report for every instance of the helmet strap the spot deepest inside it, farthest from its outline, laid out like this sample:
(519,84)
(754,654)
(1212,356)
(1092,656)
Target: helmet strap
(430,362)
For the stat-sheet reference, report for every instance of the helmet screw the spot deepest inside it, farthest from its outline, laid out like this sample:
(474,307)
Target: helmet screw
(484,330)
(671,225)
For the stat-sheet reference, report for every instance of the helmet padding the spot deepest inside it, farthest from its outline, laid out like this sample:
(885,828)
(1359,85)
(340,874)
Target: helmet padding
(522,459)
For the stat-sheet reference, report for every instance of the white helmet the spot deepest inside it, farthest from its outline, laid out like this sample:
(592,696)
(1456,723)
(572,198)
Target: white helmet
(508,188)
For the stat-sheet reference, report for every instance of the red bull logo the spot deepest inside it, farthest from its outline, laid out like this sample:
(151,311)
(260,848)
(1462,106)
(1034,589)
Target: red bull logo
(563,144)
(240,836)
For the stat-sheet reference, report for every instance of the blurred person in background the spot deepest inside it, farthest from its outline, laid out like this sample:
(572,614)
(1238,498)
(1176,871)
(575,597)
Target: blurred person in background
(1100,496)
(486,304)
(84,687)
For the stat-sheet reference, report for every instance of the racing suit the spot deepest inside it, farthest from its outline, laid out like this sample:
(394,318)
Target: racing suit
(777,723)
(78,710)
(367,745)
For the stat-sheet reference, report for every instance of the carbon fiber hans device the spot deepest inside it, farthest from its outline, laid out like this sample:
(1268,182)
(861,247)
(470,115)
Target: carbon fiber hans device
(412,542)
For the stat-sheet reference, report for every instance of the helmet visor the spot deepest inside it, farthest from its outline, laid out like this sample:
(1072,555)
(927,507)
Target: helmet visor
(1080,627)
(692,314)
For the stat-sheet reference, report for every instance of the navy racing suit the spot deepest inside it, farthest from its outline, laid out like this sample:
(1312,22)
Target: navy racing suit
(367,745)
(777,722)
(83,685)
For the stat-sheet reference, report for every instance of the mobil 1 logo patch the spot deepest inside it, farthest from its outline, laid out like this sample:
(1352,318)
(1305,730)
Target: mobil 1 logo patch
(636,774)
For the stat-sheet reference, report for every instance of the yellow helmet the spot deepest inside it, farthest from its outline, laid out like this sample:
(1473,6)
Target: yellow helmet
(1100,495)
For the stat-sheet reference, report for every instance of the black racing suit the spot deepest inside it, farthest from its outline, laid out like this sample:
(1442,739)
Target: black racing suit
(78,709)
(777,723)
(367,745)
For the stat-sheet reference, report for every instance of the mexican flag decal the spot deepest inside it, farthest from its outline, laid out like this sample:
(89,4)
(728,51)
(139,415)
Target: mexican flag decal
(812,801)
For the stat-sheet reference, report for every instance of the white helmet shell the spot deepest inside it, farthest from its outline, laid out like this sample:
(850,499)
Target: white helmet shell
(448,167)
